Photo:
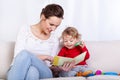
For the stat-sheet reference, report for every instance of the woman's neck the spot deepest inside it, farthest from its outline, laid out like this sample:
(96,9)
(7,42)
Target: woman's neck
(38,32)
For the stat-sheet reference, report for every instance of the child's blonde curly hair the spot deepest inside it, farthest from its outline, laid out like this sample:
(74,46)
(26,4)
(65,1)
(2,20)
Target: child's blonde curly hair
(71,31)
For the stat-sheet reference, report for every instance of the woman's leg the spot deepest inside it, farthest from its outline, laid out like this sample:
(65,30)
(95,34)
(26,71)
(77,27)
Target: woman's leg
(21,66)
(44,70)
(32,74)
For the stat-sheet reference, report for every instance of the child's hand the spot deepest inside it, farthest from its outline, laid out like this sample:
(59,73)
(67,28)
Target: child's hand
(80,43)
(67,66)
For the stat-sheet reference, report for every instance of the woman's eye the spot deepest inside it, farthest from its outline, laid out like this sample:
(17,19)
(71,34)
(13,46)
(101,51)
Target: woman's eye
(51,24)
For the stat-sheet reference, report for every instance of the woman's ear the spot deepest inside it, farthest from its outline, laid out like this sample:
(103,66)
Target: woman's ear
(42,17)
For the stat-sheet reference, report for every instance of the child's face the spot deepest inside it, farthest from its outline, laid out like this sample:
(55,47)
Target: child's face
(69,41)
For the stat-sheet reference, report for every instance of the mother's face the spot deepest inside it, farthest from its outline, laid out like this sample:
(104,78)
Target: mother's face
(51,24)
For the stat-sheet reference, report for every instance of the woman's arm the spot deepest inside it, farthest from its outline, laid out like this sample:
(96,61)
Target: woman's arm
(56,45)
(45,57)
(20,42)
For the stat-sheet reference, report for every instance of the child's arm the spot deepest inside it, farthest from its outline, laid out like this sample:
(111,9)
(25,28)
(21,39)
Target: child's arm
(87,53)
(80,43)
(83,48)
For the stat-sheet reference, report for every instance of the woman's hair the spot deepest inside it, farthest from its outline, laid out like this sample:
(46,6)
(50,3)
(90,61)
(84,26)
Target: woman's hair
(53,10)
(71,31)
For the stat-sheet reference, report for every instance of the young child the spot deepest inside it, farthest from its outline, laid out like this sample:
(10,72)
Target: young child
(70,37)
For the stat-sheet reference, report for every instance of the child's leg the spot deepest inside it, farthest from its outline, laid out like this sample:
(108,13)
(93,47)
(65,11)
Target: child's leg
(71,73)
(86,70)
(78,68)
(67,73)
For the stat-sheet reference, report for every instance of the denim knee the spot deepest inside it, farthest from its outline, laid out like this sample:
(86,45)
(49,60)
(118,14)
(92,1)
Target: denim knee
(33,74)
(22,56)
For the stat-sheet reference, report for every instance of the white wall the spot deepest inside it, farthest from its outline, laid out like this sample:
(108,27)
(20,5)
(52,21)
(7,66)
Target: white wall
(12,16)
(95,19)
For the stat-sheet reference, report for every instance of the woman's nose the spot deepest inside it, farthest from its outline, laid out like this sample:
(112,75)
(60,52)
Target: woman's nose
(53,28)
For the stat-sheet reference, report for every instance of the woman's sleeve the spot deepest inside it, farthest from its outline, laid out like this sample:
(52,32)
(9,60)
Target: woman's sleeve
(20,41)
(56,46)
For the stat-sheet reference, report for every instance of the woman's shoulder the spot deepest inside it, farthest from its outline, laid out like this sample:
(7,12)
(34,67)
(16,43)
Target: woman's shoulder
(25,27)
(24,31)
(54,36)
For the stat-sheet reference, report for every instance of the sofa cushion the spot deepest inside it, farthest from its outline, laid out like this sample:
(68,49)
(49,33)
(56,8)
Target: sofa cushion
(2,79)
(104,55)
(6,55)
(66,78)
(104,77)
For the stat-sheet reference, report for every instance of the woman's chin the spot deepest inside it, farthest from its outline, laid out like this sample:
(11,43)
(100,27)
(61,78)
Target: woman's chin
(48,32)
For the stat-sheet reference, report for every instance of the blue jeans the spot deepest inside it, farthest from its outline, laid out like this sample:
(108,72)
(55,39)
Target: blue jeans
(27,66)
(73,71)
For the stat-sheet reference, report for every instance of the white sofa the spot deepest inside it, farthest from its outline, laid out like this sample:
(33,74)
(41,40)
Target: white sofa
(105,56)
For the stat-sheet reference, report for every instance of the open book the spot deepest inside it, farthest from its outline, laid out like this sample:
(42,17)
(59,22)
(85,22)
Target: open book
(59,60)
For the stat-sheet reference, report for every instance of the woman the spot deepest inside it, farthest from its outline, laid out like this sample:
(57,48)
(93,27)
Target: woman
(35,47)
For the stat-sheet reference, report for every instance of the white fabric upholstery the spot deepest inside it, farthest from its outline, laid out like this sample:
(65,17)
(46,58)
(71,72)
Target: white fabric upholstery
(104,77)
(6,55)
(104,56)
(66,78)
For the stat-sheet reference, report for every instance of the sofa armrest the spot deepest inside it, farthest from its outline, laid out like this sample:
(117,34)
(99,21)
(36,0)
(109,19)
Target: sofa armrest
(6,56)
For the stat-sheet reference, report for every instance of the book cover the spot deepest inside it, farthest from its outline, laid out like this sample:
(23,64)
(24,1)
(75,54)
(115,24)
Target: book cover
(59,60)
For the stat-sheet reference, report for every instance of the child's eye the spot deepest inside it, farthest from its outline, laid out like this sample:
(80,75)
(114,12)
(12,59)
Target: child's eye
(71,41)
(65,41)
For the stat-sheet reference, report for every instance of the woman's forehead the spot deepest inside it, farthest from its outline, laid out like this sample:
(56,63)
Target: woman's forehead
(55,20)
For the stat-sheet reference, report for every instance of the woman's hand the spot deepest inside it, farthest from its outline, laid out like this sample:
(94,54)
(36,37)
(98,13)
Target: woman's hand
(50,58)
(67,66)
(45,57)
